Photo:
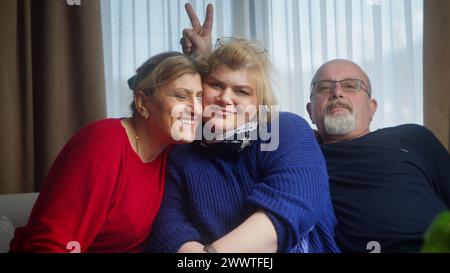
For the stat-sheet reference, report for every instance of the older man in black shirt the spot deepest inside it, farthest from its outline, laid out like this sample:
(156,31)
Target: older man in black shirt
(387,186)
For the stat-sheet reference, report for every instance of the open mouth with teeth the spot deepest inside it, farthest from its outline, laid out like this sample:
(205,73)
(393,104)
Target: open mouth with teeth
(183,129)
(189,122)
(188,119)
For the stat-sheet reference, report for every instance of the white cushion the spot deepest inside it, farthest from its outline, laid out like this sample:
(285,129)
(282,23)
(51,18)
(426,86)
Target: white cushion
(17,207)
(6,233)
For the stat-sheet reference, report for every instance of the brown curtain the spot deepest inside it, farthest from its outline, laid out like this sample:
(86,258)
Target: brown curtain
(437,68)
(52,84)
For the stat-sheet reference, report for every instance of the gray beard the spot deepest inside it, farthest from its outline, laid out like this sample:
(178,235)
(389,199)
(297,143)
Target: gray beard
(339,125)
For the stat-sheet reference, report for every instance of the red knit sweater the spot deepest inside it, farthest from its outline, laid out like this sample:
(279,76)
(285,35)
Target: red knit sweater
(98,193)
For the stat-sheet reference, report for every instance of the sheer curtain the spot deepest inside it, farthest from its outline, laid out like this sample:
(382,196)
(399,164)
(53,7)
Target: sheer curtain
(383,36)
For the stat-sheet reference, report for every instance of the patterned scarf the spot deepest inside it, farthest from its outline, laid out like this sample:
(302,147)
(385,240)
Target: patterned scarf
(233,142)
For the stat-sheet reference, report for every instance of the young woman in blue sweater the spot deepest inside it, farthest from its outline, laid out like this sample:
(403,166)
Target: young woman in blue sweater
(238,191)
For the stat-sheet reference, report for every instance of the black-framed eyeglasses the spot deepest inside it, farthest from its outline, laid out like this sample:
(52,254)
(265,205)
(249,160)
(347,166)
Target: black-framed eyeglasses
(256,45)
(347,85)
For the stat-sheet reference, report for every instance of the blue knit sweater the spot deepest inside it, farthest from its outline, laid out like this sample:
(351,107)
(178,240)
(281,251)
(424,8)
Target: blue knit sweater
(207,195)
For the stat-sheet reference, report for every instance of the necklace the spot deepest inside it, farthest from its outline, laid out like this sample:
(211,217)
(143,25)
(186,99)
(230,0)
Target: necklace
(136,137)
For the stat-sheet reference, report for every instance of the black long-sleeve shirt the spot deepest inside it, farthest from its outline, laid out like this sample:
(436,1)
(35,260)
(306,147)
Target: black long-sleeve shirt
(388,186)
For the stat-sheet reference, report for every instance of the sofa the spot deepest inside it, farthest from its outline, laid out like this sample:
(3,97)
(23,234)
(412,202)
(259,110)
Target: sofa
(14,212)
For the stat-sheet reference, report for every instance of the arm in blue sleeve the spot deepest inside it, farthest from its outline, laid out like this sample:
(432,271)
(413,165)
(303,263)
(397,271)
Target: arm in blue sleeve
(172,227)
(293,188)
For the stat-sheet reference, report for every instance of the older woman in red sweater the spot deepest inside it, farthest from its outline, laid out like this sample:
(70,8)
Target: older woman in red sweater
(105,187)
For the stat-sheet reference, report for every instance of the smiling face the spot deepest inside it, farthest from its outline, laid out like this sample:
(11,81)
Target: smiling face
(341,115)
(176,109)
(232,97)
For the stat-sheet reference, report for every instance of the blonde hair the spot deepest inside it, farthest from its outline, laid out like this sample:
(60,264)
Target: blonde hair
(160,70)
(247,55)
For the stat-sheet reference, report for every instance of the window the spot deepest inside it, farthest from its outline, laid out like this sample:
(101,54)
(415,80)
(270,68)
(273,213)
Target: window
(383,36)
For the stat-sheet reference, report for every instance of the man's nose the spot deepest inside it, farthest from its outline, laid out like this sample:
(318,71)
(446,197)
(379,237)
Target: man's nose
(337,91)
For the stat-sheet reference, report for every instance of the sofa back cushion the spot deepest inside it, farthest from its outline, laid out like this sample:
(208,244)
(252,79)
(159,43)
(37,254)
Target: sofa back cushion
(17,207)
(6,233)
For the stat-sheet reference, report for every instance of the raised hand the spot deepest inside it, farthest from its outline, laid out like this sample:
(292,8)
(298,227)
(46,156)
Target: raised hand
(197,40)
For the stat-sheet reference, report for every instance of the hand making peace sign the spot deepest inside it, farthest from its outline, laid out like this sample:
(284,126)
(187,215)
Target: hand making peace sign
(197,40)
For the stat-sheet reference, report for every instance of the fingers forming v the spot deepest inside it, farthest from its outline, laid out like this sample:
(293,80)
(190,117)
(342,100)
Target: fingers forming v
(206,28)
(195,22)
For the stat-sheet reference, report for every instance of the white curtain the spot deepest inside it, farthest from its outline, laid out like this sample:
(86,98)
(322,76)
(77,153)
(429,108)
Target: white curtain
(383,36)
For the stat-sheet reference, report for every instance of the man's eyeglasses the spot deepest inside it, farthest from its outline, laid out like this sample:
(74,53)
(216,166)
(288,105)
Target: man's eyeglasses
(348,86)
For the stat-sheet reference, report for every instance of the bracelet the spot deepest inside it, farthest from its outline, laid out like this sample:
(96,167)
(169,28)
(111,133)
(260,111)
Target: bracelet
(210,249)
